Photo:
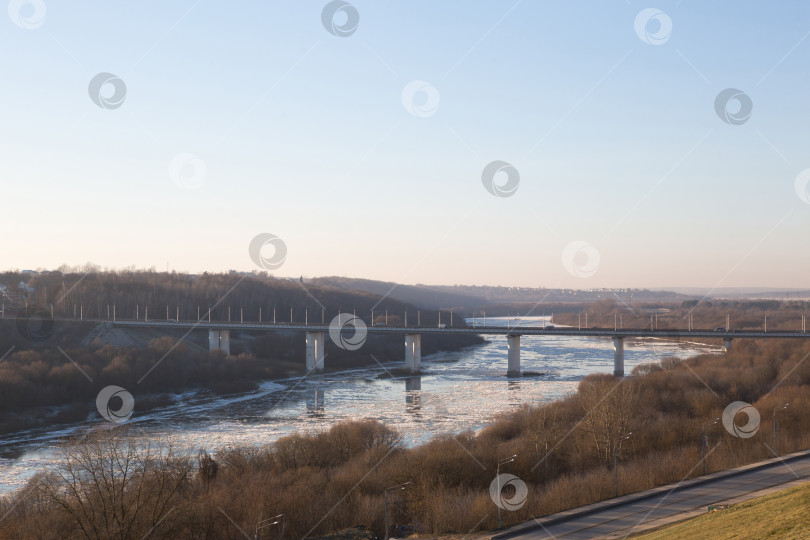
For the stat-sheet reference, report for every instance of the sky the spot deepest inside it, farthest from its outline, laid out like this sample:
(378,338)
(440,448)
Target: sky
(360,139)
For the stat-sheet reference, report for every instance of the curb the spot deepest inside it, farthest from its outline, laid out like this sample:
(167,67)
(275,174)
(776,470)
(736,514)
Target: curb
(565,515)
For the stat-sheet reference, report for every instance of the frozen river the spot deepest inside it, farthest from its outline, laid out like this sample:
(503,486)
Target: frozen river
(460,390)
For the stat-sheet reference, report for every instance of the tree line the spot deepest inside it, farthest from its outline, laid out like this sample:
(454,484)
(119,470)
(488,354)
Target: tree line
(127,294)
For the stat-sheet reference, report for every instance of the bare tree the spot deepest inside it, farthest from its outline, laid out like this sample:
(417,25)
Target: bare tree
(114,484)
(609,407)
(545,435)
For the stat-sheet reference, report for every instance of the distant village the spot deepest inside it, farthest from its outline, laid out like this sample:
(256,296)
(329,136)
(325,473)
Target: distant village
(16,294)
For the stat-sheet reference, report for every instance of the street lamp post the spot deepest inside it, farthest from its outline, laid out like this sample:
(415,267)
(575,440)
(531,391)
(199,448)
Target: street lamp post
(385,503)
(615,460)
(703,441)
(775,429)
(504,461)
(269,522)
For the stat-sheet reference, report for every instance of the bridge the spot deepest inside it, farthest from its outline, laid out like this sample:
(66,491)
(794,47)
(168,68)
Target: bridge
(315,335)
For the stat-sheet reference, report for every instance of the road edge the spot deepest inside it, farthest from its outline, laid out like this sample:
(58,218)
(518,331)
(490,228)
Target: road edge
(580,511)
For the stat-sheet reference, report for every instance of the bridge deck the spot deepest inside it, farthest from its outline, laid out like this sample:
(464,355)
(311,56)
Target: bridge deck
(491,330)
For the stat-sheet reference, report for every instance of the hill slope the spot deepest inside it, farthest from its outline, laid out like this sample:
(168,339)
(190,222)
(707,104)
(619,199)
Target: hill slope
(783,515)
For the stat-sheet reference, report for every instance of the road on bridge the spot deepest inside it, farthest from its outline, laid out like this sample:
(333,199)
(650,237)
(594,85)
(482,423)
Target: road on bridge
(635,513)
(549,330)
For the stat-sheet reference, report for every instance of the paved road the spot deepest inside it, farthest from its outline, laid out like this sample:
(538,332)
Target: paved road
(668,505)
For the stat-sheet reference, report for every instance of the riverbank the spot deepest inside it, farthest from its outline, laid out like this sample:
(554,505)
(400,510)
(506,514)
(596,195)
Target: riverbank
(57,382)
(326,481)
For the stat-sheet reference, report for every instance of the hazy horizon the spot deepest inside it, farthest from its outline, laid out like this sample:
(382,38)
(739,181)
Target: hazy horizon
(577,145)
(677,289)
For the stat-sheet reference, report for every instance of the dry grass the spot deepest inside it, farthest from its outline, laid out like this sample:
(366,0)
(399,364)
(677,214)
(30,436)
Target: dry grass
(783,515)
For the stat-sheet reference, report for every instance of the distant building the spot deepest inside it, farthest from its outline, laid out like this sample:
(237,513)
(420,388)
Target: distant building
(25,287)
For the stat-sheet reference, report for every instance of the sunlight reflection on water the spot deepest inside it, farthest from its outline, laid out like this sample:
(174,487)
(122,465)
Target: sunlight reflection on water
(460,390)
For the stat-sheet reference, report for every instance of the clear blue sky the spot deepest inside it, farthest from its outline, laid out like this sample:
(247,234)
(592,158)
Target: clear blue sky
(304,135)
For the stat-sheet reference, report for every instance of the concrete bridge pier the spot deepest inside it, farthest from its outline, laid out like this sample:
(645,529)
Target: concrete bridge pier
(219,340)
(513,356)
(413,352)
(727,343)
(618,356)
(315,342)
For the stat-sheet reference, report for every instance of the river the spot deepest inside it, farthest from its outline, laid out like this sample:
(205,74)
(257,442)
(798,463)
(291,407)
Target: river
(459,390)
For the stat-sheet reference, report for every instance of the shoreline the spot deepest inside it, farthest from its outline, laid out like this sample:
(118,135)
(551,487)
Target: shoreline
(433,404)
